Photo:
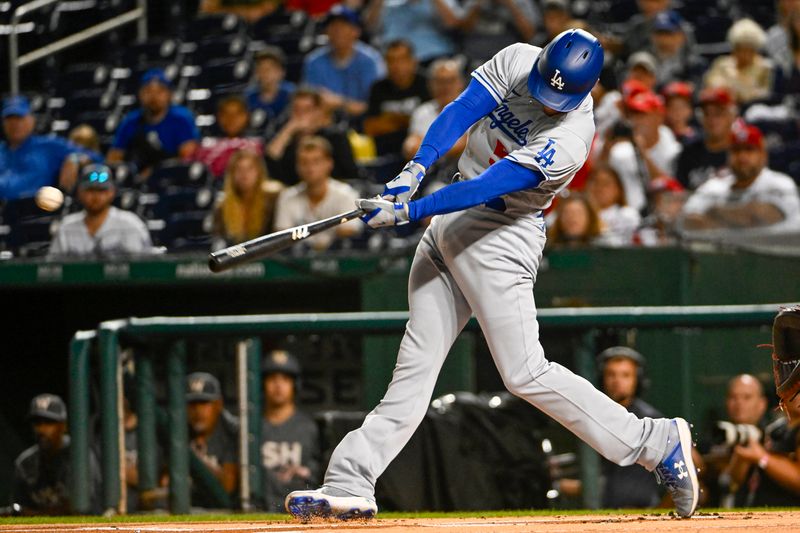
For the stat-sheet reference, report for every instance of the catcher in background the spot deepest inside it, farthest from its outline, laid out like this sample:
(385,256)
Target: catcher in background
(769,473)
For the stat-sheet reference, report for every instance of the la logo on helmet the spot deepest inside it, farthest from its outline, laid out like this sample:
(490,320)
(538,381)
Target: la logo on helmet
(556,81)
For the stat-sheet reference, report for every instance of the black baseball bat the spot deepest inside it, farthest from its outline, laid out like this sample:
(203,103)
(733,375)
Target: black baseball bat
(265,245)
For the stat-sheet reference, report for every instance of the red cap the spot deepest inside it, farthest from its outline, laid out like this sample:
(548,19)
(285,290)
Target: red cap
(646,102)
(681,89)
(631,88)
(717,95)
(746,135)
(664,183)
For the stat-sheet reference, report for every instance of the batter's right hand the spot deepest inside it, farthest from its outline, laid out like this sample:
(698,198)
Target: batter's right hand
(403,187)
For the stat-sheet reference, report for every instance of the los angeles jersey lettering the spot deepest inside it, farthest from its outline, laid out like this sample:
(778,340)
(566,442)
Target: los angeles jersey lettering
(556,146)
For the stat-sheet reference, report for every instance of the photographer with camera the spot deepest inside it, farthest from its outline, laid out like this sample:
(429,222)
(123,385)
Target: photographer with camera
(746,406)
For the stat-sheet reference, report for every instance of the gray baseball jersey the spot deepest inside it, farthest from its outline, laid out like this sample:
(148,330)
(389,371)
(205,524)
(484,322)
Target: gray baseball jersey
(484,262)
(291,444)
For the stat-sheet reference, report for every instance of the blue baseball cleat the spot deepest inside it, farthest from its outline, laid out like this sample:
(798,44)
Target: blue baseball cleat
(307,504)
(677,472)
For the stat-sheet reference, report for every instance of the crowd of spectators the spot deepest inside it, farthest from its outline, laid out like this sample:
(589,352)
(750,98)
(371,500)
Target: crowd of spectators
(696,113)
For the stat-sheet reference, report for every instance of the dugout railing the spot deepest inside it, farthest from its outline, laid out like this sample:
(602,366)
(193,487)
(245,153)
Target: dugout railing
(111,337)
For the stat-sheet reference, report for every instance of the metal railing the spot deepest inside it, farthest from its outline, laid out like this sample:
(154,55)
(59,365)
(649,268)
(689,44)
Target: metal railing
(112,335)
(15,61)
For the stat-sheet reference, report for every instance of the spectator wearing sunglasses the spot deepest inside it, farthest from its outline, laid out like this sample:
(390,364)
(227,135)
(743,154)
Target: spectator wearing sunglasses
(100,230)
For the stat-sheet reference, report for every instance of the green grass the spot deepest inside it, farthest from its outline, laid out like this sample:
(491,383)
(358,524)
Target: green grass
(158,518)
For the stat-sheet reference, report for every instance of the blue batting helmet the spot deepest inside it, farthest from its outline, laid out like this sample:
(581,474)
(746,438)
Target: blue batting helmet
(566,70)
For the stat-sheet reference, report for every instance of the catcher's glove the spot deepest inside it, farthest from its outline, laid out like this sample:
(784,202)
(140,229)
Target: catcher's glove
(786,353)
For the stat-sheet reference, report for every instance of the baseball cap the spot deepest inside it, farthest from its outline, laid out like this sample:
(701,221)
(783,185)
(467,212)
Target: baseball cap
(746,135)
(669,21)
(48,406)
(562,5)
(155,75)
(16,106)
(271,52)
(96,176)
(679,89)
(664,183)
(643,59)
(281,361)
(646,102)
(202,387)
(716,95)
(342,12)
(631,88)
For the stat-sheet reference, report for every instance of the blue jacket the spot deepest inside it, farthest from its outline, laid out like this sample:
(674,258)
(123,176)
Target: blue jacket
(34,164)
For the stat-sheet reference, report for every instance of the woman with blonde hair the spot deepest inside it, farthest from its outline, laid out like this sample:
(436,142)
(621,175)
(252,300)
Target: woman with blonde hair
(247,205)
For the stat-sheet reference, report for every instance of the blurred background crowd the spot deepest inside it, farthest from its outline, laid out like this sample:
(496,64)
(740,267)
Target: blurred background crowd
(235,118)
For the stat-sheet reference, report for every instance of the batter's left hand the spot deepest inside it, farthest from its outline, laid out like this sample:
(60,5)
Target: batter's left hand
(383,213)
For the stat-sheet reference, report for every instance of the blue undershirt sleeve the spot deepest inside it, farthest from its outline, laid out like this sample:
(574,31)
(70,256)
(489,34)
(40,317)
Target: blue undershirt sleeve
(471,105)
(504,177)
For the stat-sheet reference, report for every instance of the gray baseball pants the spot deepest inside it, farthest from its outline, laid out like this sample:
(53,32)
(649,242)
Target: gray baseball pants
(484,262)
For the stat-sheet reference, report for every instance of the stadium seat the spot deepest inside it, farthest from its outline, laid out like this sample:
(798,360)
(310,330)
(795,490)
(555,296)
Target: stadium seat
(158,50)
(172,175)
(218,48)
(712,28)
(207,26)
(188,231)
(82,76)
(95,99)
(223,73)
(16,211)
(180,201)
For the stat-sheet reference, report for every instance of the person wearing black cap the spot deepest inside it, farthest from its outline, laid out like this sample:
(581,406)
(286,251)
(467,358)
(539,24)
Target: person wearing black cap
(345,68)
(210,441)
(270,92)
(622,378)
(42,472)
(158,130)
(28,161)
(101,230)
(289,437)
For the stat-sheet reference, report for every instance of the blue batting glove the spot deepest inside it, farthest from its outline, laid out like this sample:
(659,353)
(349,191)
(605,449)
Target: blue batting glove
(403,187)
(383,213)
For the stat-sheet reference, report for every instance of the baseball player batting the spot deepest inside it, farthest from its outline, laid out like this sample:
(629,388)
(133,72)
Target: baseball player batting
(530,121)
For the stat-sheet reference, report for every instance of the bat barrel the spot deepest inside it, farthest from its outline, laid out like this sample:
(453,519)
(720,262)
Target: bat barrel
(265,245)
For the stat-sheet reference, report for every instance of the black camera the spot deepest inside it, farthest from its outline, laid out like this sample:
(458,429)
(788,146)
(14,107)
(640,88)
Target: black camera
(729,434)
(621,130)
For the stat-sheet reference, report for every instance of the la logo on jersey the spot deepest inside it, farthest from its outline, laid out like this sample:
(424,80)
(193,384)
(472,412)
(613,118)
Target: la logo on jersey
(556,81)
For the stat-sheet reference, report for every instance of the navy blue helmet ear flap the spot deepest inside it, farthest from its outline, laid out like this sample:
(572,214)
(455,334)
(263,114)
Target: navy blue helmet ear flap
(625,352)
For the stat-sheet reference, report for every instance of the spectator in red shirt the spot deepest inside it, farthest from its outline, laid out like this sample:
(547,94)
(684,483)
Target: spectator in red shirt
(233,118)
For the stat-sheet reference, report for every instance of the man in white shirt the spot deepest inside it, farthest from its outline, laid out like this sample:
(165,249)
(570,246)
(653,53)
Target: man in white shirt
(317,196)
(650,153)
(749,196)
